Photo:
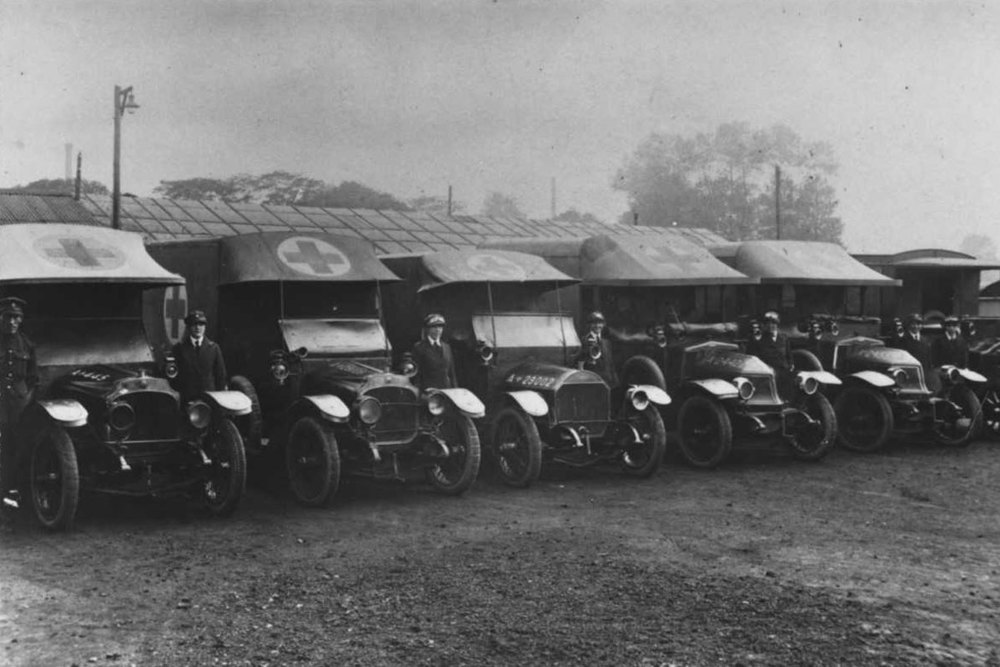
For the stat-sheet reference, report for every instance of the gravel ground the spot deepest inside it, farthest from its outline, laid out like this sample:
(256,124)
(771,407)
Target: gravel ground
(889,559)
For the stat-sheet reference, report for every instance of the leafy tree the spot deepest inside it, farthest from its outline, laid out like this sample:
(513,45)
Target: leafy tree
(280,188)
(572,215)
(725,181)
(436,205)
(980,246)
(499,205)
(61,186)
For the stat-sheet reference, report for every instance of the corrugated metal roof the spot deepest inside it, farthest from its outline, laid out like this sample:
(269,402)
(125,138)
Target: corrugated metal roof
(392,232)
(18,208)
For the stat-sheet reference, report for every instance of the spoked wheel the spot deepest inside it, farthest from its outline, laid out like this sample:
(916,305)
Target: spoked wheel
(704,432)
(959,426)
(313,462)
(814,442)
(227,477)
(864,419)
(456,473)
(991,413)
(643,458)
(251,425)
(53,479)
(516,447)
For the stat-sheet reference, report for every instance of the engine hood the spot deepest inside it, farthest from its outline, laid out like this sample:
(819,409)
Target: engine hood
(349,378)
(861,354)
(538,376)
(721,360)
(108,382)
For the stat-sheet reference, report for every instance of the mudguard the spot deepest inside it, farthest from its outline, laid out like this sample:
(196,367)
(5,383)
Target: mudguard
(717,387)
(67,412)
(466,402)
(231,403)
(966,374)
(330,407)
(823,377)
(530,401)
(874,378)
(653,393)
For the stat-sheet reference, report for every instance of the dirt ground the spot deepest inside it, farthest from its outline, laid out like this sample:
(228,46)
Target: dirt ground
(858,560)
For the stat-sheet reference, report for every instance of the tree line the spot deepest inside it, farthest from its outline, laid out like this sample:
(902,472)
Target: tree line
(723,181)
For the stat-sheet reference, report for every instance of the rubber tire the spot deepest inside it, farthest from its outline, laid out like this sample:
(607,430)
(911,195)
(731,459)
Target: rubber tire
(227,442)
(54,441)
(805,360)
(252,425)
(882,407)
(719,422)
(818,406)
(530,441)
(968,401)
(991,413)
(657,447)
(470,452)
(327,463)
(641,369)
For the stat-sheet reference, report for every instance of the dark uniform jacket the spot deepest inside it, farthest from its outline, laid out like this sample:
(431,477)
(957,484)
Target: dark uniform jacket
(920,349)
(435,365)
(774,352)
(198,370)
(18,375)
(18,380)
(604,366)
(951,352)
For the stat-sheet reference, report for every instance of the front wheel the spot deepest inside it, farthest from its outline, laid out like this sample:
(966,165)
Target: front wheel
(991,413)
(516,447)
(958,428)
(53,479)
(814,442)
(704,432)
(865,419)
(456,473)
(227,479)
(642,458)
(313,461)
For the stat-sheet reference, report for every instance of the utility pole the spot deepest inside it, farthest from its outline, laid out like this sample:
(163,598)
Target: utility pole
(79,176)
(124,99)
(553,197)
(777,202)
(449,201)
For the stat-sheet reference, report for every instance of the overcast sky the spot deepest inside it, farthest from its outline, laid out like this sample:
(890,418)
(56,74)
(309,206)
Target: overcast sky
(411,96)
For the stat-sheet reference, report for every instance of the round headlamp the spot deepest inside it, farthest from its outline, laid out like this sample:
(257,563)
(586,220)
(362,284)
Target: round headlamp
(640,400)
(279,369)
(485,352)
(745,388)
(951,373)
(121,417)
(809,385)
(435,404)
(199,414)
(899,376)
(170,369)
(369,410)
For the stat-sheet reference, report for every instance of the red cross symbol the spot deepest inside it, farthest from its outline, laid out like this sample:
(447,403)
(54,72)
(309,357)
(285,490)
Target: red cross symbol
(78,253)
(313,256)
(174,311)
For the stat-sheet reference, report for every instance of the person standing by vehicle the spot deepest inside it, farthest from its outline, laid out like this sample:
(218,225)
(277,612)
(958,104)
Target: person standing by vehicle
(951,349)
(595,354)
(433,357)
(200,366)
(914,342)
(18,380)
(773,349)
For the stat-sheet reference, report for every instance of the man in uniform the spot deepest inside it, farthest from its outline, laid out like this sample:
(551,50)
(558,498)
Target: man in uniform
(772,348)
(595,343)
(913,341)
(433,357)
(18,380)
(200,367)
(951,349)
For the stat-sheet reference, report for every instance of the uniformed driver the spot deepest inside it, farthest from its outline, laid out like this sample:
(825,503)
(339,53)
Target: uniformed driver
(18,380)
